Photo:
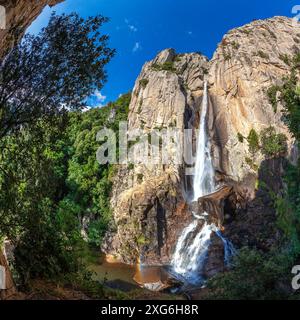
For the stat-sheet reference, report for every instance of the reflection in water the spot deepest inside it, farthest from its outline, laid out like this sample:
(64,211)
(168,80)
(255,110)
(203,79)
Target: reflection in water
(128,277)
(154,278)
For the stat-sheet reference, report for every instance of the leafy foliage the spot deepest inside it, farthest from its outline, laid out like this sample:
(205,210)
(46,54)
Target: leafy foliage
(290,95)
(272,95)
(167,66)
(254,276)
(89,183)
(49,177)
(144,82)
(253,141)
(52,72)
(273,144)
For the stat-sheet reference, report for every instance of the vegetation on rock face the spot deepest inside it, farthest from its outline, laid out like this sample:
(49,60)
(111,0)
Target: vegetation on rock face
(253,141)
(227,56)
(251,163)
(267,275)
(240,137)
(167,66)
(144,82)
(235,45)
(262,54)
(285,58)
(272,95)
(272,144)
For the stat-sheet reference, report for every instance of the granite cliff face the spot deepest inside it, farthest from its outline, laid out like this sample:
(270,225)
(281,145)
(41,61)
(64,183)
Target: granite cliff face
(246,63)
(149,201)
(19,15)
(150,208)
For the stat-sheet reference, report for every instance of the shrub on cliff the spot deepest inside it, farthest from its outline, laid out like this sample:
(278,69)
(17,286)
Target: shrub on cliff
(273,144)
(253,141)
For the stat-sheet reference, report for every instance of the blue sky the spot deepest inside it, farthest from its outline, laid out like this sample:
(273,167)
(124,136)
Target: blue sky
(139,29)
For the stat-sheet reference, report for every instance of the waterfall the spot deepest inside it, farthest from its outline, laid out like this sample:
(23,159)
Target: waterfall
(192,246)
(191,252)
(229,249)
(204,182)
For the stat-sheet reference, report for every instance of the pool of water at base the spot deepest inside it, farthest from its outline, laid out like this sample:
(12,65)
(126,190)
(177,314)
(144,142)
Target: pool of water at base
(126,277)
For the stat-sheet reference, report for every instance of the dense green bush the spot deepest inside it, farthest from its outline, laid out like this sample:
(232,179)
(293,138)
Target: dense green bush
(240,137)
(167,66)
(89,183)
(254,276)
(272,95)
(273,144)
(253,141)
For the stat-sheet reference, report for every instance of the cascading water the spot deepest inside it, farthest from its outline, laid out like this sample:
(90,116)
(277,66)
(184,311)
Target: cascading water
(229,249)
(192,247)
(204,181)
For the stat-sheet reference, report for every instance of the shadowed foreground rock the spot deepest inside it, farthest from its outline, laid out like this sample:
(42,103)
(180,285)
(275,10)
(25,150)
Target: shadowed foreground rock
(9,283)
(19,15)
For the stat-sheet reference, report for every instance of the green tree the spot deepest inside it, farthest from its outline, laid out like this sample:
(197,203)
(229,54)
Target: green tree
(44,78)
(254,276)
(253,141)
(89,183)
(273,144)
(52,72)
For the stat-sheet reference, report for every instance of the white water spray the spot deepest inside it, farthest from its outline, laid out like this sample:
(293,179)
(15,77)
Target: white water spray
(192,247)
(204,182)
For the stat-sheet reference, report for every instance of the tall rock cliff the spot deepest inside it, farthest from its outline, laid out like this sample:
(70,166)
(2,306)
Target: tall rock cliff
(149,202)
(246,63)
(19,15)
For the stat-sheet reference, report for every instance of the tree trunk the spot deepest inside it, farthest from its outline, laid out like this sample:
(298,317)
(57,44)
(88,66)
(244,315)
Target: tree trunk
(10,288)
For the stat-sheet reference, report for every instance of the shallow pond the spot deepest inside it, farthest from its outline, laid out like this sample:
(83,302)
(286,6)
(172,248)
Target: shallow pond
(129,277)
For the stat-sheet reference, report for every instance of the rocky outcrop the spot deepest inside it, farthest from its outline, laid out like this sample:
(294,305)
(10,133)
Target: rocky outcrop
(255,224)
(246,63)
(8,283)
(149,202)
(19,15)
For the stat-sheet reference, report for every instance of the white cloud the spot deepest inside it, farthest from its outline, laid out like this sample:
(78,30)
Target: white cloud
(86,109)
(131,27)
(137,46)
(99,96)
(97,100)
